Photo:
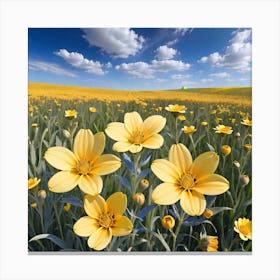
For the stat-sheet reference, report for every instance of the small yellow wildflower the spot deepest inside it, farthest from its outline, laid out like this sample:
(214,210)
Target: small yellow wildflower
(71,114)
(144,183)
(246,122)
(208,213)
(67,207)
(189,129)
(181,118)
(208,243)
(204,123)
(243,226)
(34,125)
(168,222)
(223,129)
(176,108)
(33,182)
(33,205)
(247,147)
(213,112)
(92,109)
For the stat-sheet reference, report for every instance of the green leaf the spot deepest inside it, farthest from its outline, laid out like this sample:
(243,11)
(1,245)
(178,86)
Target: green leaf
(217,210)
(33,155)
(51,237)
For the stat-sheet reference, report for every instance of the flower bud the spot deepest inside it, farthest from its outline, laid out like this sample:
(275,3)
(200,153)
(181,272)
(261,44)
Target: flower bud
(226,150)
(244,180)
(42,194)
(247,147)
(139,198)
(168,222)
(237,134)
(181,118)
(144,183)
(33,205)
(204,123)
(66,133)
(207,213)
(67,207)
(236,163)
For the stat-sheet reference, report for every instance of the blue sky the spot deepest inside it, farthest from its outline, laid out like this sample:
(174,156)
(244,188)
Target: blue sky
(140,58)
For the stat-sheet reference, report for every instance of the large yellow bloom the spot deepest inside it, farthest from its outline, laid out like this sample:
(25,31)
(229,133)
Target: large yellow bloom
(243,226)
(176,108)
(134,134)
(83,167)
(187,180)
(71,113)
(104,220)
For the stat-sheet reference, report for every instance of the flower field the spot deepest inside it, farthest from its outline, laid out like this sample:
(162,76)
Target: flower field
(154,171)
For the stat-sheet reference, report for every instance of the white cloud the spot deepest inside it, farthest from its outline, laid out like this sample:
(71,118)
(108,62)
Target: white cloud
(164,52)
(207,80)
(49,67)
(220,75)
(79,61)
(237,54)
(182,31)
(138,69)
(145,70)
(180,77)
(108,65)
(171,43)
(118,42)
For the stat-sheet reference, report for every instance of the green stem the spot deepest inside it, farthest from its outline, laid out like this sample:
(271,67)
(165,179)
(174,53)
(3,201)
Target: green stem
(177,231)
(58,221)
(194,152)
(134,184)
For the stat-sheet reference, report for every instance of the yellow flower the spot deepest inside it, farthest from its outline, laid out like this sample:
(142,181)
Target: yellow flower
(144,183)
(181,118)
(187,180)
(33,182)
(246,122)
(67,207)
(209,243)
(247,147)
(34,125)
(134,134)
(92,109)
(168,222)
(204,123)
(189,129)
(33,205)
(105,219)
(71,114)
(176,108)
(213,112)
(226,150)
(243,226)
(84,166)
(223,129)
(208,213)
(139,198)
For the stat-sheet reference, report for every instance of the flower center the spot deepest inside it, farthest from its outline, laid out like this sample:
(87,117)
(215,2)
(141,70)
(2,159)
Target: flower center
(187,181)
(84,167)
(244,229)
(137,137)
(106,219)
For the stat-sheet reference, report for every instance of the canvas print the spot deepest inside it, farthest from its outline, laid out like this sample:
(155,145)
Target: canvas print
(140,140)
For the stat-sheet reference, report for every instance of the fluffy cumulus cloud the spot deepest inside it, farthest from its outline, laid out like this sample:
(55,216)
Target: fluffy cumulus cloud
(164,52)
(117,42)
(220,75)
(79,61)
(50,68)
(207,80)
(180,77)
(147,70)
(237,55)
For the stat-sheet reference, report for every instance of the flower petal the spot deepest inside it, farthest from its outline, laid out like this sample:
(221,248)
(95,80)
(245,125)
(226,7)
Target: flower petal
(60,158)
(91,184)
(135,148)
(153,124)
(132,121)
(98,145)
(94,205)
(166,194)
(212,184)
(153,142)
(165,170)
(106,164)
(85,226)
(181,157)
(117,131)
(123,226)
(117,203)
(83,144)
(121,146)
(100,239)
(193,203)
(205,163)
(63,181)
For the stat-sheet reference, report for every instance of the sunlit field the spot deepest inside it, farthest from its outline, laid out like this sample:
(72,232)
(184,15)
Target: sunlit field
(154,171)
